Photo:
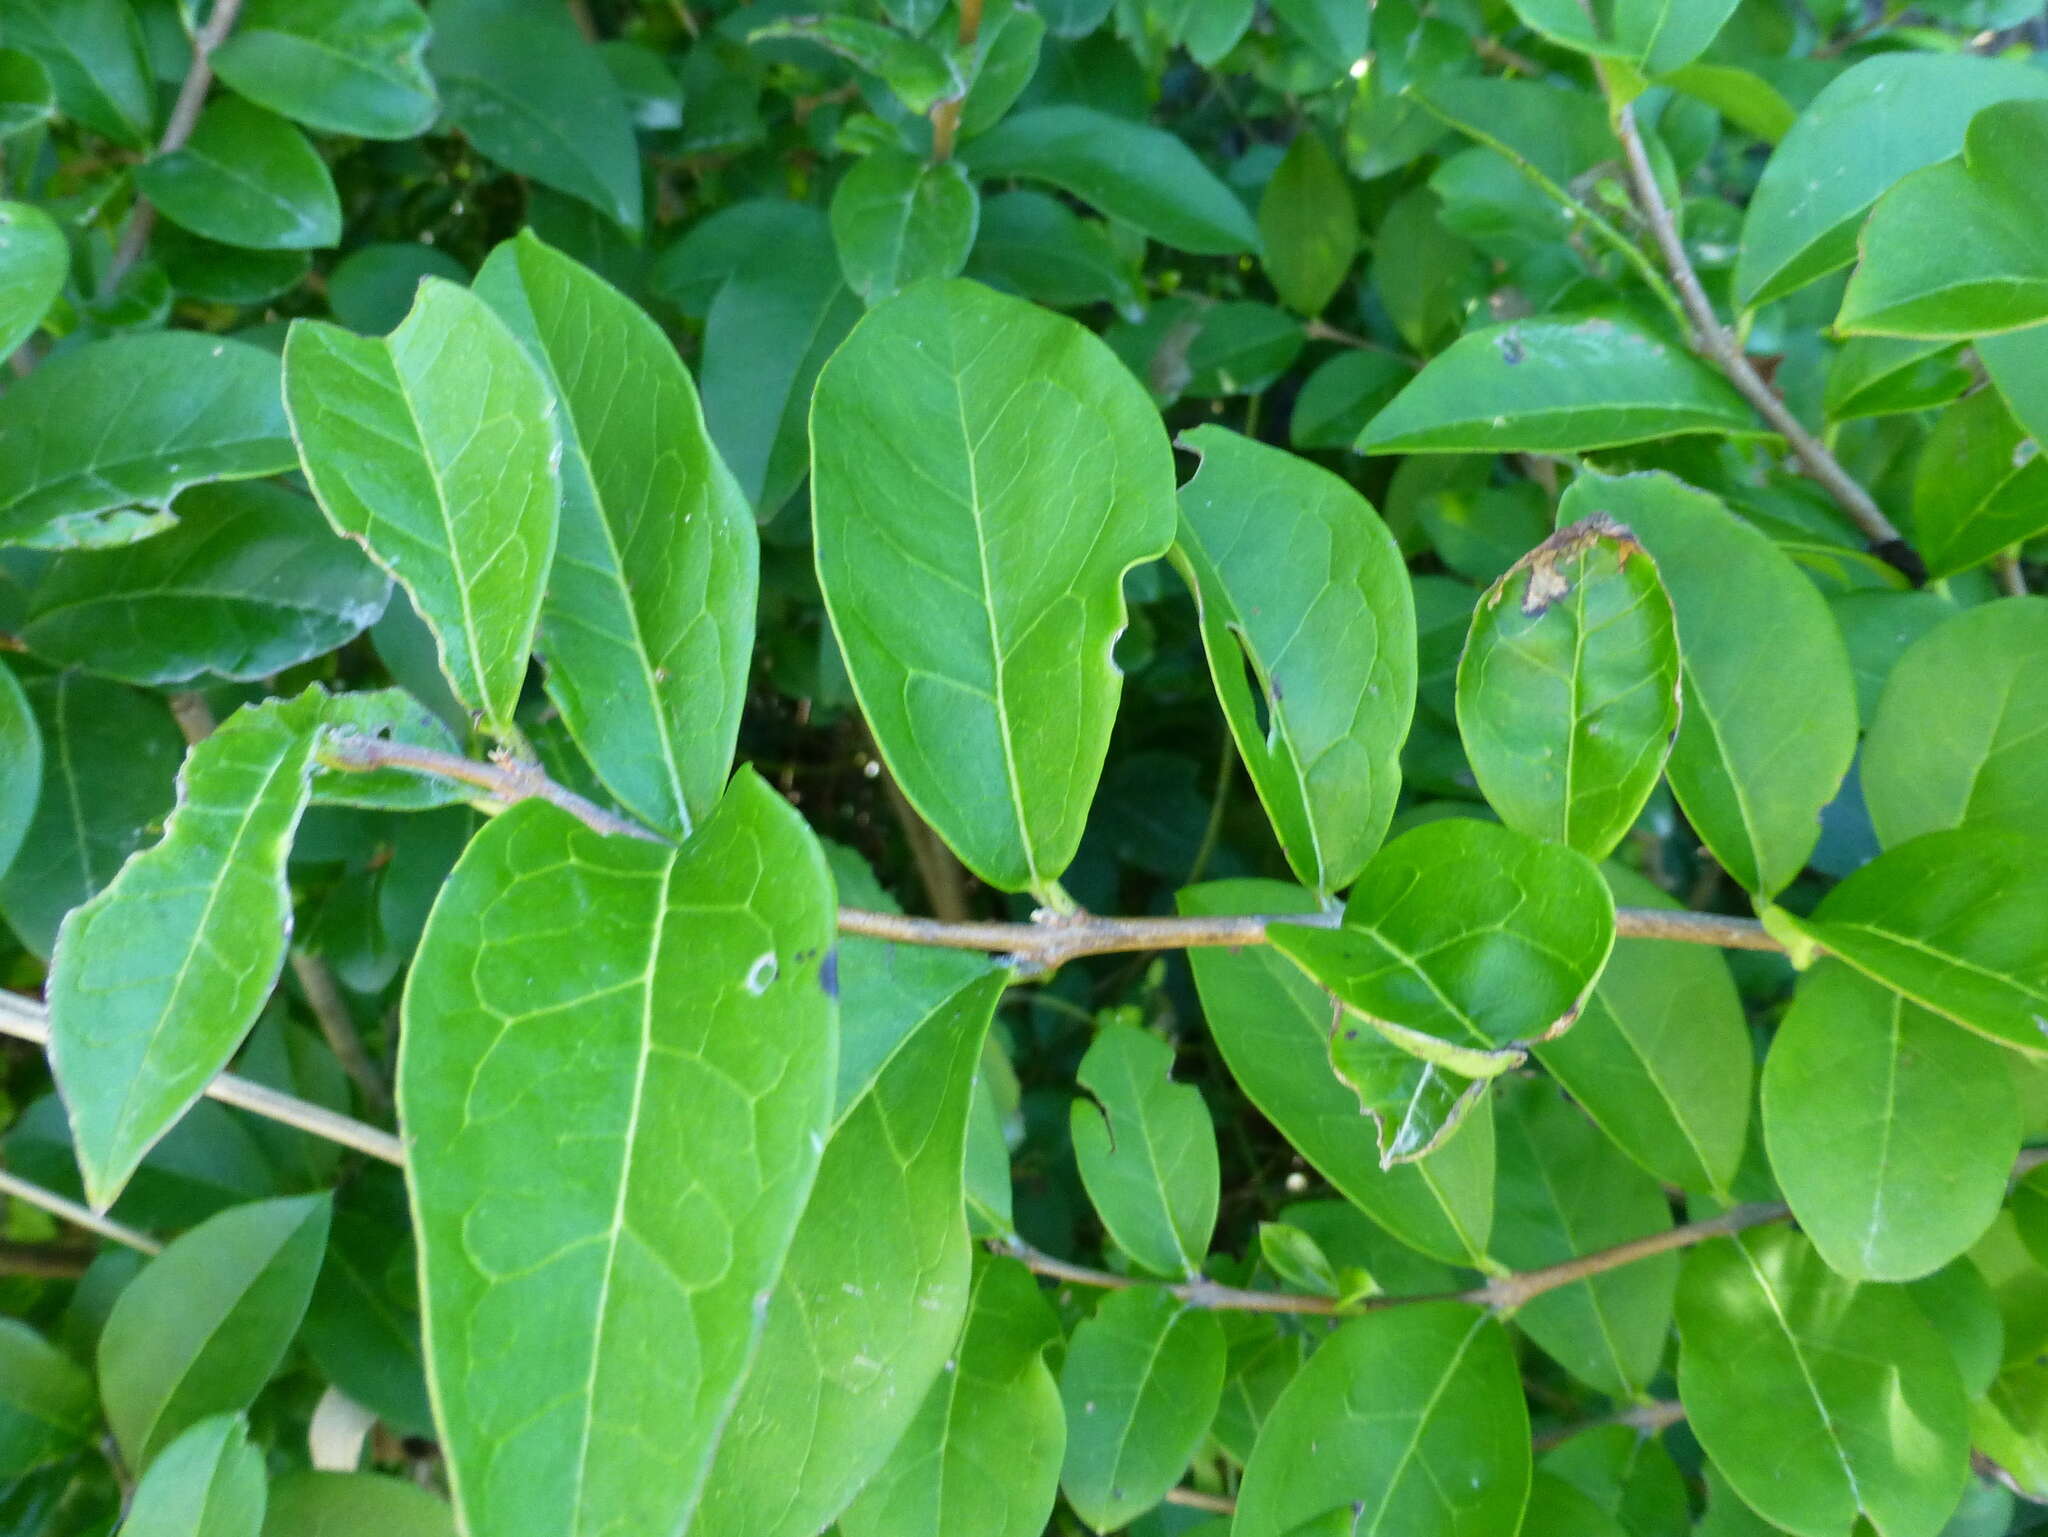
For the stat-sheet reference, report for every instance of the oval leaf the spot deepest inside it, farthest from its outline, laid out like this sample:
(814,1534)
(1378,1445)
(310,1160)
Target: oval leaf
(1555,384)
(648,624)
(1409,1421)
(897,220)
(976,625)
(1981,486)
(1298,581)
(339,66)
(318,1504)
(1568,690)
(207,1483)
(436,449)
(156,980)
(1891,1132)
(34,261)
(1147,1151)
(48,1409)
(572,1129)
(21,767)
(246,177)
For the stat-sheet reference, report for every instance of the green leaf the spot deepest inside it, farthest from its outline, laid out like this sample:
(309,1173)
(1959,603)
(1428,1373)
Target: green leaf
(1335,31)
(1142,175)
(1147,1151)
(886,993)
(1308,226)
(1745,98)
(1954,740)
(1557,1509)
(1341,396)
(1661,1056)
(976,628)
(1980,486)
(982,1457)
(1626,1474)
(34,261)
(1463,933)
(21,778)
(201,1329)
(250,582)
(1566,23)
(437,450)
(48,1409)
(531,94)
(1565,1190)
(207,1483)
(246,177)
(1984,272)
(110,756)
(2018,364)
(1556,384)
(307,1504)
(1272,1025)
(1877,122)
(1770,704)
(1005,57)
(1409,1421)
(916,71)
(156,980)
(1140,1383)
(1891,1132)
(897,220)
(1665,35)
(1568,691)
(362,1325)
(27,97)
(94,53)
(1817,1397)
(339,66)
(582,1182)
(1035,245)
(1427,277)
(132,421)
(868,1310)
(1955,920)
(1300,585)
(648,624)
(1883,376)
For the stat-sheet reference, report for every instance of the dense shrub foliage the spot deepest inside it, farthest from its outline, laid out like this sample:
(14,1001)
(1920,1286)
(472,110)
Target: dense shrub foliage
(958,768)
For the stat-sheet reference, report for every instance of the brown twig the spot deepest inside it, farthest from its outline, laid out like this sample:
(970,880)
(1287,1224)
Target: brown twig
(1645,1419)
(338,1027)
(507,783)
(1201,1499)
(946,114)
(184,117)
(44,1261)
(1720,345)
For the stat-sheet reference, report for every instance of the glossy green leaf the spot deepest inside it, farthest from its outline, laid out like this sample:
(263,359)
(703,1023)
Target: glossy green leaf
(1876,122)
(1981,485)
(1147,1151)
(1891,1132)
(897,220)
(48,1409)
(916,71)
(362,1325)
(1565,1190)
(1464,935)
(21,767)
(1037,246)
(982,1456)
(201,1329)
(1661,1056)
(110,758)
(1140,1383)
(28,99)
(868,1310)
(246,177)
(648,624)
(96,59)
(1557,1509)
(1954,740)
(1300,584)
(1986,272)
(2018,364)
(1408,1421)
(1005,58)
(156,980)
(437,450)
(1626,1474)
(1883,376)
(1957,921)
(1770,705)
(1553,384)
(207,1483)
(1308,226)
(976,631)
(1568,690)
(1666,35)
(583,1181)
(1817,1397)
(1745,98)
(339,66)
(531,94)
(1131,171)
(1427,277)
(1273,1024)
(307,1504)
(130,422)
(1341,396)
(250,581)
(34,261)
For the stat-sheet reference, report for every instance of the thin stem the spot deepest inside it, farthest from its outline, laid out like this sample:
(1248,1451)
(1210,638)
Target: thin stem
(27,1020)
(941,875)
(1644,1419)
(1720,345)
(184,117)
(2012,581)
(1319,330)
(946,114)
(78,1216)
(1201,1499)
(338,1026)
(43,1261)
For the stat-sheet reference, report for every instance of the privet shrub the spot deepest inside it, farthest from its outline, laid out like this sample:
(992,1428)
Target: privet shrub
(1288,771)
